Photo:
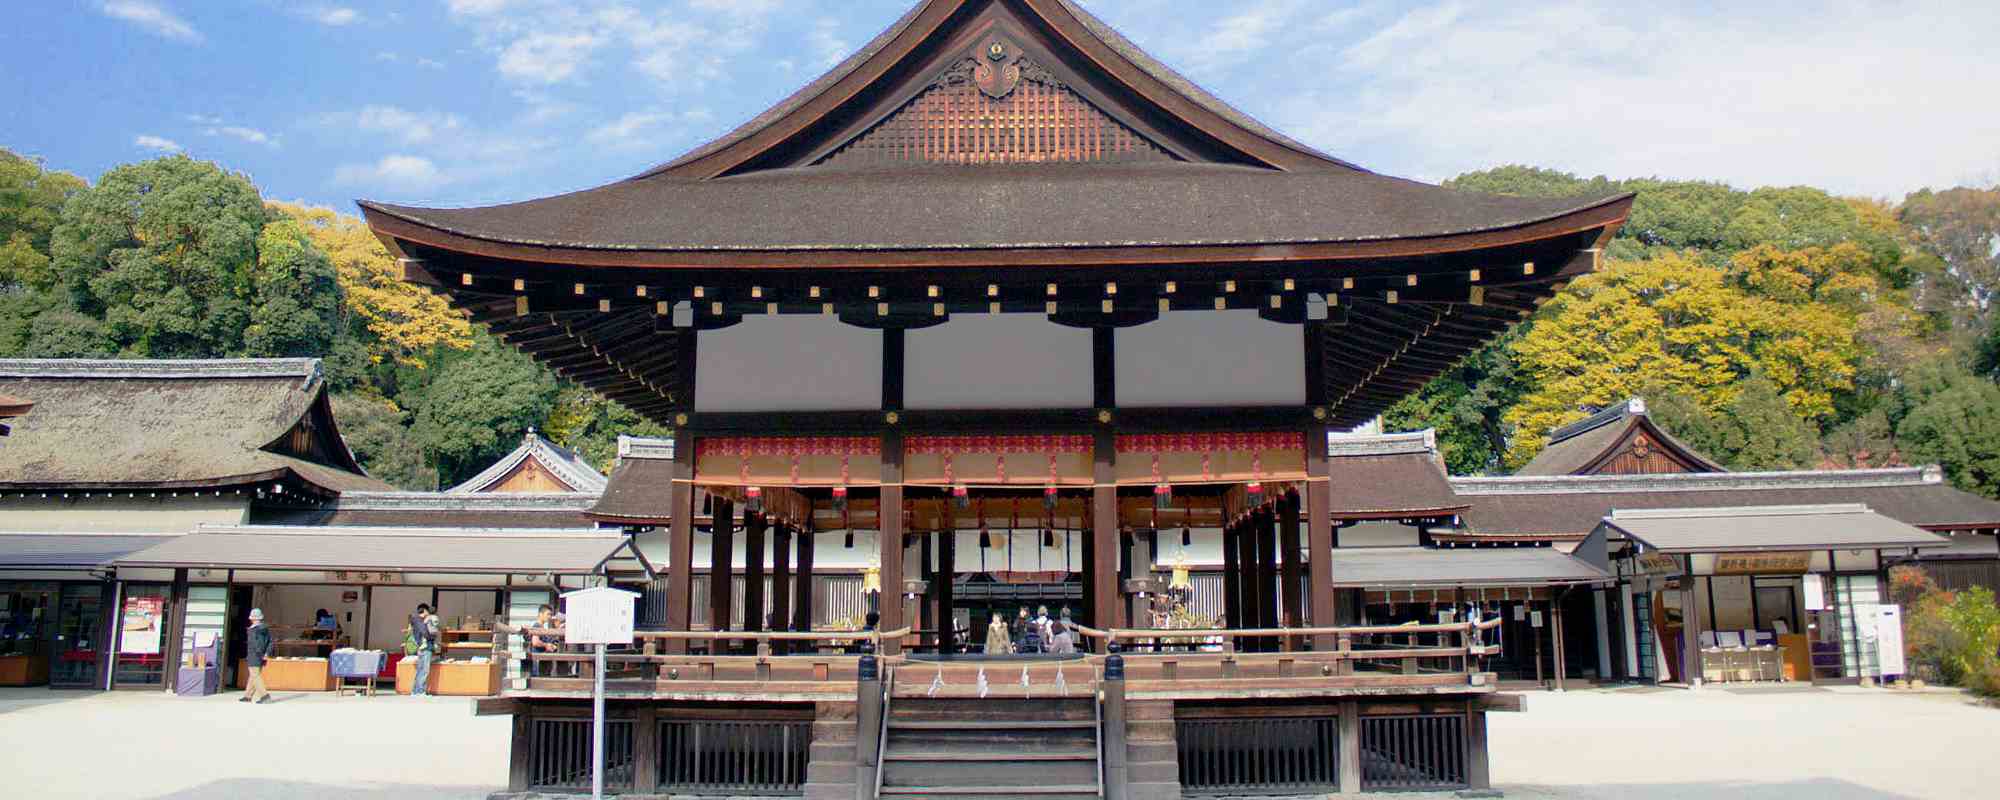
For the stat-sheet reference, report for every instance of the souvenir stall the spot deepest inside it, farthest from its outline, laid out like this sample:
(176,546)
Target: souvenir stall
(329,593)
(1759,594)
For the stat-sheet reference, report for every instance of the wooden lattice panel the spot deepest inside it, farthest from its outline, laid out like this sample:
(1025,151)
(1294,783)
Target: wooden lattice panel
(956,123)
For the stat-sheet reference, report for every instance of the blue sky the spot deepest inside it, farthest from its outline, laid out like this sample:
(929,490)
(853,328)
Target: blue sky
(465,102)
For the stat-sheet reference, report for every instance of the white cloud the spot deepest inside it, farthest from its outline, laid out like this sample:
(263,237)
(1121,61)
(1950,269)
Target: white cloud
(334,15)
(245,134)
(153,18)
(827,46)
(476,7)
(625,131)
(545,58)
(394,173)
(412,127)
(157,143)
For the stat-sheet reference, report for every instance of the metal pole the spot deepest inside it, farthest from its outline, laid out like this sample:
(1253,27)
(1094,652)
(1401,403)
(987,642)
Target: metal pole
(597,729)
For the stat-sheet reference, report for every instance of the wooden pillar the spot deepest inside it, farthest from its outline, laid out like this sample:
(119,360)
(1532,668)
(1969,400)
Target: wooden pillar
(1478,773)
(781,576)
(1556,631)
(1691,628)
(1319,535)
(802,586)
(645,748)
(173,633)
(890,539)
(927,611)
(1088,555)
(1232,603)
(1349,771)
(520,761)
(680,544)
(754,553)
(1104,533)
(1246,577)
(721,556)
(1256,593)
(1288,559)
(941,583)
(1267,569)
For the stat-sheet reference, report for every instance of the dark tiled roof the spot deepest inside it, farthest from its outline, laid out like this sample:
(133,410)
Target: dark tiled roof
(1397,567)
(992,207)
(444,510)
(389,549)
(1570,506)
(641,485)
(163,424)
(69,550)
(1389,475)
(1766,528)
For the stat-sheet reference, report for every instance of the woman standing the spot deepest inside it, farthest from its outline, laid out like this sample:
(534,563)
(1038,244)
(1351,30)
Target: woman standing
(996,637)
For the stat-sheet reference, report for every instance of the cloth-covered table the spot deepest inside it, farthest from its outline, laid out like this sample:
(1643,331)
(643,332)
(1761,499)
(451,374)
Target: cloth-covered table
(359,665)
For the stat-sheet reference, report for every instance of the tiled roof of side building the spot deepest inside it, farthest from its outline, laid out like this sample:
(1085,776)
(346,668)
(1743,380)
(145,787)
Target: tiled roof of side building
(1388,476)
(563,463)
(1569,506)
(1574,448)
(639,489)
(515,510)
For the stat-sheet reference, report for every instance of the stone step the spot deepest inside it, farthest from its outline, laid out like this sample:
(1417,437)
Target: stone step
(1013,774)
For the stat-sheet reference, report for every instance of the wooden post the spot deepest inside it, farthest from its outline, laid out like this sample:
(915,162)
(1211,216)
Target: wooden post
(721,556)
(680,543)
(890,542)
(1232,579)
(941,585)
(1256,593)
(1116,769)
(645,748)
(1556,632)
(1478,774)
(802,588)
(175,631)
(1691,629)
(867,726)
(1288,559)
(1267,573)
(521,746)
(1319,535)
(1104,533)
(781,576)
(754,554)
(1350,747)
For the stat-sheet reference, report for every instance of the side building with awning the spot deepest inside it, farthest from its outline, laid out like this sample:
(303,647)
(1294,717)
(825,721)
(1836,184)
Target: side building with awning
(1816,579)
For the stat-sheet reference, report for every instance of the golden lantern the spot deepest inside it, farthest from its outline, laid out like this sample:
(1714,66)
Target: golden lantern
(1181,579)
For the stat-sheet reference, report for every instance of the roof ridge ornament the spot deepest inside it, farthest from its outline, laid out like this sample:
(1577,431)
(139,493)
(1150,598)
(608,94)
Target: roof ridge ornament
(999,73)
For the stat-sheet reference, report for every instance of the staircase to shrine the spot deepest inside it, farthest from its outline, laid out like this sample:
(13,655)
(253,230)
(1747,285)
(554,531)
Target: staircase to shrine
(972,748)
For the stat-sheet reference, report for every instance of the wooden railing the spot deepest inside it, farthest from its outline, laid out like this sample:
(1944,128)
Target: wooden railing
(646,667)
(1384,656)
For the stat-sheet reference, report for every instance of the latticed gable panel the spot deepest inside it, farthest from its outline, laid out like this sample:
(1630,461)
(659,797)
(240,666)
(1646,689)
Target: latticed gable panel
(978,113)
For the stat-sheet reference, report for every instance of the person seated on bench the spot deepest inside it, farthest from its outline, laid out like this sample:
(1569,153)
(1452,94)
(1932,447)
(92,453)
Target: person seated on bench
(545,618)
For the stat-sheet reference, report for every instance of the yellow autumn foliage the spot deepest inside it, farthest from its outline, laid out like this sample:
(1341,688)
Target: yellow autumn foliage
(1677,323)
(407,320)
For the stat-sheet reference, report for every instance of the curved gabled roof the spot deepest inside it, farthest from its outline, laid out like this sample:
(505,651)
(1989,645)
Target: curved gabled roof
(561,462)
(771,190)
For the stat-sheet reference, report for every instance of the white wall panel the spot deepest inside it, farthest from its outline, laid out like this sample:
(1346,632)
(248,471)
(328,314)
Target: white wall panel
(1211,358)
(788,363)
(997,361)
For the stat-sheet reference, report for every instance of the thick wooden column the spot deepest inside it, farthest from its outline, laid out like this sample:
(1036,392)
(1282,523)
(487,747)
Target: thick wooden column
(1105,592)
(1267,572)
(1691,626)
(1288,560)
(754,553)
(781,576)
(889,539)
(1232,589)
(941,586)
(680,545)
(721,554)
(1319,535)
(802,585)
(1246,575)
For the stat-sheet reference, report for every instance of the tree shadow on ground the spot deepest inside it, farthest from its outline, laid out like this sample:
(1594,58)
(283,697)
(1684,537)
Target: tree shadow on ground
(1815,789)
(260,788)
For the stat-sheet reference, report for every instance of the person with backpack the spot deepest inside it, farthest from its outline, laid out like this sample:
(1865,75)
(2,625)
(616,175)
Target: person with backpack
(423,637)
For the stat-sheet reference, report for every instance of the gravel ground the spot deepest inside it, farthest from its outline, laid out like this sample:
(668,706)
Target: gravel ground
(1715,744)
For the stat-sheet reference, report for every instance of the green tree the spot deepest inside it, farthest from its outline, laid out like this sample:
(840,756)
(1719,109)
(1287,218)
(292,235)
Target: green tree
(163,251)
(294,299)
(1960,228)
(587,423)
(378,433)
(476,406)
(1763,432)
(30,200)
(1954,421)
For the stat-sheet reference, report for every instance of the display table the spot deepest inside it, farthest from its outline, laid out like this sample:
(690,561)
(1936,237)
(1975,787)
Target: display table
(291,674)
(452,678)
(27,670)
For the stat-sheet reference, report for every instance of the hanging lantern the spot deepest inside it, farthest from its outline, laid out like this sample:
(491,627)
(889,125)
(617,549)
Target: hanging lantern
(1049,499)
(985,539)
(1163,496)
(840,498)
(1256,492)
(848,541)
(1181,580)
(871,580)
(1187,534)
(753,499)
(1048,538)
(960,496)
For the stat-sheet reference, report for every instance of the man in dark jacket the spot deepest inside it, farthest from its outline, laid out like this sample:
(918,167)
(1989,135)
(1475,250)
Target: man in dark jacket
(424,630)
(254,655)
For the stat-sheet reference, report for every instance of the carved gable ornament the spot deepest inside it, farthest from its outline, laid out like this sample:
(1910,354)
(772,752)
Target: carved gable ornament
(999,72)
